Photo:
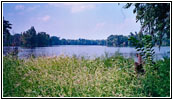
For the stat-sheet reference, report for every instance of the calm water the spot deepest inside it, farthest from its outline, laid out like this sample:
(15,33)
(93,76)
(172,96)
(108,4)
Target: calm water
(80,50)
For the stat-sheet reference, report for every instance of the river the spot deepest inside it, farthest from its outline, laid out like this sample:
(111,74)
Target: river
(86,51)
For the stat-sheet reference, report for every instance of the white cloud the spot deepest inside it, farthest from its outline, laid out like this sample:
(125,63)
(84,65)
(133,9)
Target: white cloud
(22,7)
(74,7)
(79,7)
(19,7)
(33,8)
(44,18)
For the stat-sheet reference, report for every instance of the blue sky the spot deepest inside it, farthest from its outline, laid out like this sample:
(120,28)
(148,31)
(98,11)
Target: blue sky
(72,20)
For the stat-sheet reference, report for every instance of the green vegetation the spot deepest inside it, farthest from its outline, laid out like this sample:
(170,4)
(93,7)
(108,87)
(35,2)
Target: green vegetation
(79,77)
(101,77)
(6,33)
(155,28)
(154,19)
(117,40)
(31,38)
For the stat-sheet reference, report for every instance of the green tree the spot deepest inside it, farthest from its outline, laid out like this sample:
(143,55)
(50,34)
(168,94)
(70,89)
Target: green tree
(29,38)
(155,22)
(154,19)
(64,42)
(54,40)
(6,33)
(155,26)
(42,39)
(117,40)
(16,40)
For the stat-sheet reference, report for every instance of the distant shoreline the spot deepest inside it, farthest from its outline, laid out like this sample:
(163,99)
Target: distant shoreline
(76,45)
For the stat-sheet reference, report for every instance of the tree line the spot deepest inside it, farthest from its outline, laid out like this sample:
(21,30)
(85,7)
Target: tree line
(31,38)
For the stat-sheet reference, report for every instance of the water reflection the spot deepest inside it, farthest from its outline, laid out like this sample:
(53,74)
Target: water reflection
(11,50)
(88,52)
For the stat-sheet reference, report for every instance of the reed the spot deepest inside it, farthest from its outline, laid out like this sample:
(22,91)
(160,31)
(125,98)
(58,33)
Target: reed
(78,77)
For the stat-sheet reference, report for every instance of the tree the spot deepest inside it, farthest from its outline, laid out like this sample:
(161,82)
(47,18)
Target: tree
(43,39)
(154,18)
(6,33)
(117,40)
(29,38)
(54,40)
(16,40)
(155,22)
(111,41)
(64,42)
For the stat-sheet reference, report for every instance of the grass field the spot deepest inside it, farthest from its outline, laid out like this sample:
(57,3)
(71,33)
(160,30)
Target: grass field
(73,77)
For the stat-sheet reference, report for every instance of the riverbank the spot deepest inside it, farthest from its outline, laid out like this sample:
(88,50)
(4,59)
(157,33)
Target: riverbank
(71,77)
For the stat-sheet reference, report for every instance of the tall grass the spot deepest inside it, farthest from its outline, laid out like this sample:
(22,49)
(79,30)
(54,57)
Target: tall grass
(73,77)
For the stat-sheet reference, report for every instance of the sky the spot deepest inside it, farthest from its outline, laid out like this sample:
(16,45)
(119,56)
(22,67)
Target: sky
(72,20)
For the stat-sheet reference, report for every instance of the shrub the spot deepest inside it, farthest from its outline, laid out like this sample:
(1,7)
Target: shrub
(73,77)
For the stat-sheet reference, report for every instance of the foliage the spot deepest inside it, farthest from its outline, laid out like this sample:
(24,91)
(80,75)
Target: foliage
(155,22)
(79,77)
(6,33)
(117,40)
(144,45)
(64,42)
(154,18)
(29,37)
(54,40)
(85,42)
(43,39)
(32,39)
(157,81)
(16,40)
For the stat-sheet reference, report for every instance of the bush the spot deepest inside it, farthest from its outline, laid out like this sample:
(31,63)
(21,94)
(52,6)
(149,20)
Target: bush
(157,79)
(72,77)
